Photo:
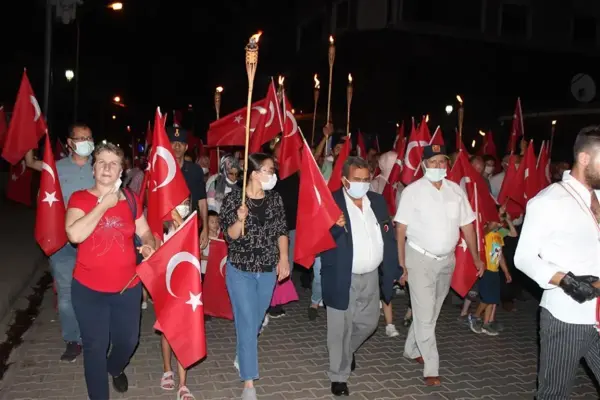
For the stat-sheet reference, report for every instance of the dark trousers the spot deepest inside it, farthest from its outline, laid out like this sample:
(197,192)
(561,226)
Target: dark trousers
(562,346)
(509,291)
(106,319)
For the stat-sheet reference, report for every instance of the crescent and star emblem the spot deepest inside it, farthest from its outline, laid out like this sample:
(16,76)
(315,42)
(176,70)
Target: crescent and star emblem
(36,107)
(289,115)
(317,194)
(166,155)
(15,177)
(409,148)
(49,198)
(183,256)
(261,111)
(463,183)
(222,265)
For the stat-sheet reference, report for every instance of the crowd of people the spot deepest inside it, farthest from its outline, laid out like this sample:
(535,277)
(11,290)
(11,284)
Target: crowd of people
(375,253)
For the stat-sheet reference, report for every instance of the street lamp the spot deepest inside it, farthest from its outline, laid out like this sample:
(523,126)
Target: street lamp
(117,99)
(69,74)
(114,117)
(116,6)
(449,109)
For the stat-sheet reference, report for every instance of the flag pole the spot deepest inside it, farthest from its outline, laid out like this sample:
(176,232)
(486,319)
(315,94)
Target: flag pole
(316,98)
(349,92)
(218,92)
(251,63)
(461,116)
(331,62)
(477,218)
(552,138)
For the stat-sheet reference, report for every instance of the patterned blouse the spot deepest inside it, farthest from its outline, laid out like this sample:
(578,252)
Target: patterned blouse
(257,250)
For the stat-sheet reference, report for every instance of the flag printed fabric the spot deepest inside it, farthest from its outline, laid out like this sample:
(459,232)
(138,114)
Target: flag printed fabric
(50,215)
(361,148)
(230,130)
(317,213)
(214,289)
(418,139)
(172,276)
(269,121)
(18,187)
(517,129)
(335,180)
(27,125)
(290,158)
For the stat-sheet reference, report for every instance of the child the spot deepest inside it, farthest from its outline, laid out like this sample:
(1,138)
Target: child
(167,381)
(489,283)
(213,233)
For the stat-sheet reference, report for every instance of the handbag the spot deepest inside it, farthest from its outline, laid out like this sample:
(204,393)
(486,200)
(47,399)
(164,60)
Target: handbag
(137,241)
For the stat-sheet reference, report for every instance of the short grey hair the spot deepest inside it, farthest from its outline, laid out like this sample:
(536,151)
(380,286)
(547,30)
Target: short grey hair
(109,147)
(355,162)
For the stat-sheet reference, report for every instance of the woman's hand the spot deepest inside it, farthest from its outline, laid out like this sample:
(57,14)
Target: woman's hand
(146,251)
(242,213)
(404,277)
(283,269)
(110,199)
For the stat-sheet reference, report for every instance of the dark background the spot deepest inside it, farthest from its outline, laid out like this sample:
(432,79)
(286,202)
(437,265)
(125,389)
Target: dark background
(174,53)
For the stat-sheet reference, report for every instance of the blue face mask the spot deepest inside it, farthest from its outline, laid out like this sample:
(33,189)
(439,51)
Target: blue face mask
(357,190)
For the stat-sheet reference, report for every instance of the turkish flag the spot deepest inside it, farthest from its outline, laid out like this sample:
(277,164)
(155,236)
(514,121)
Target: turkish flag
(414,153)
(361,148)
(290,158)
(167,188)
(400,138)
(517,129)
(3,127)
(50,216)
(269,124)
(438,137)
(172,277)
(18,187)
(530,175)
(335,180)
(489,147)
(317,213)
(216,297)
(60,151)
(511,191)
(543,166)
(390,189)
(27,124)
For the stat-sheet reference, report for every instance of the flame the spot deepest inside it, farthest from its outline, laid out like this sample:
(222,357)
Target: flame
(553,122)
(293,111)
(397,125)
(281,79)
(317,82)
(427,118)
(482,133)
(460,100)
(254,38)
(219,89)
(331,40)
(473,143)
(350,78)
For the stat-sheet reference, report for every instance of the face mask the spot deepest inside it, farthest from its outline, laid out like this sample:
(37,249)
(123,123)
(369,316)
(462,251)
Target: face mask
(435,174)
(230,181)
(489,170)
(329,158)
(206,171)
(357,190)
(183,210)
(270,184)
(84,149)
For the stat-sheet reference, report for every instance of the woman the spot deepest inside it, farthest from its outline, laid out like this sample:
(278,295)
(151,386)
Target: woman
(102,222)
(254,259)
(222,183)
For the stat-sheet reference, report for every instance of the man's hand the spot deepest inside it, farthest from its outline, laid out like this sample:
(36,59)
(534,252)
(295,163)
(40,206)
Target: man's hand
(580,288)
(204,238)
(480,265)
(508,277)
(328,129)
(341,222)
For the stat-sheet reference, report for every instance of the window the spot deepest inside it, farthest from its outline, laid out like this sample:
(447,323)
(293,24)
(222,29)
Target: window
(342,14)
(584,30)
(515,20)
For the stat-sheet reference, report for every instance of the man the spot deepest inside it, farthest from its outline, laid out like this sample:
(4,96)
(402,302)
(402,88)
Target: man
(133,176)
(496,180)
(430,216)
(194,178)
(478,164)
(329,161)
(74,173)
(350,272)
(558,249)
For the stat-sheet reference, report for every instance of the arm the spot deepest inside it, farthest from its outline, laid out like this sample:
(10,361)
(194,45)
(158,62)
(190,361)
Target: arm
(283,244)
(203,209)
(511,228)
(31,162)
(327,129)
(231,225)
(143,231)
(504,268)
(401,240)
(79,225)
(471,240)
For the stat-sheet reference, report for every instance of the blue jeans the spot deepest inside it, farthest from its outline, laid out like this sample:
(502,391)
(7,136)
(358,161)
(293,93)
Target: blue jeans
(292,242)
(250,294)
(317,291)
(105,319)
(62,264)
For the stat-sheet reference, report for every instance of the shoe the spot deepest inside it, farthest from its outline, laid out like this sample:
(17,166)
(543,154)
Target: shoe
(475,323)
(313,312)
(489,330)
(321,304)
(353,365)
(339,389)
(433,381)
(120,383)
(71,353)
(390,331)
(463,320)
(249,394)
(276,312)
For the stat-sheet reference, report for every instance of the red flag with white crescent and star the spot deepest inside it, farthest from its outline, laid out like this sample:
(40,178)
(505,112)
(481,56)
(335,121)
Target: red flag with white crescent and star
(317,212)
(289,157)
(50,216)
(335,179)
(418,139)
(18,187)
(172,276)
(517,129)
(166,184)
(27,125)
(269,124)
(214,289)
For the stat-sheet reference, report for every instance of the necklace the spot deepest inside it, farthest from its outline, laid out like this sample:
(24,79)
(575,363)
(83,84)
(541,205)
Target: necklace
(253,204)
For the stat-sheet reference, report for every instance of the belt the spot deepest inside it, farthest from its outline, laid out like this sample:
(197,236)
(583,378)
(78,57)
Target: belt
(421,250)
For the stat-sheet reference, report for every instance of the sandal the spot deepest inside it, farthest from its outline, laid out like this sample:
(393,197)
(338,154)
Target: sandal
(184,394)
(167,382)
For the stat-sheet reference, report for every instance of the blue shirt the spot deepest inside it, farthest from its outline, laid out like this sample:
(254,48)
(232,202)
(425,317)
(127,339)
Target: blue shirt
(72,177)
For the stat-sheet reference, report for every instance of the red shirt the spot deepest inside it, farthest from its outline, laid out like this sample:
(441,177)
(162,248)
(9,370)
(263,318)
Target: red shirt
(106,259)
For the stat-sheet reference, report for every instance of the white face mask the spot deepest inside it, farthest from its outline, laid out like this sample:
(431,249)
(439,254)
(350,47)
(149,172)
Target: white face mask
(489,170)
(357,190)
(206,171)
(435,174)
(84,149)
(270,184)
(183,210)
(230,181)
(329,158)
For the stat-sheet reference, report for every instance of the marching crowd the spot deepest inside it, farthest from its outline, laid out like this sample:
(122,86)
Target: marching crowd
(554,244)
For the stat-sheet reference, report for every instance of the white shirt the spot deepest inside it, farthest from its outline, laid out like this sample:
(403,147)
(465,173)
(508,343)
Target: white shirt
(433,217)
(496,183)
(367,253)
(558,236)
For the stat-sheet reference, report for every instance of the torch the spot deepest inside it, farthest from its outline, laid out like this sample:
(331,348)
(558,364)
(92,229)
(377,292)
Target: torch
(349,91)
(461,115)
(280,88)
(331,61)
(251,63)
(316,96)
(552,138)
(218,92)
